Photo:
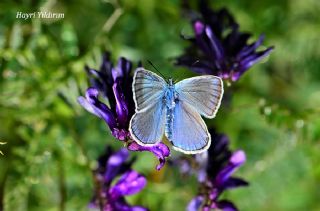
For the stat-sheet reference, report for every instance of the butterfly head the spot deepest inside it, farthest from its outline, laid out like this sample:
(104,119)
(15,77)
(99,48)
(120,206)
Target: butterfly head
(171,82)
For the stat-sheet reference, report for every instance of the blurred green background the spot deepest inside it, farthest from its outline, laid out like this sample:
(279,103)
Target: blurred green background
(52,143)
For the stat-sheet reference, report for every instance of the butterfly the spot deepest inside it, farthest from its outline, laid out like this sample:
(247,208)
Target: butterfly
(163,107)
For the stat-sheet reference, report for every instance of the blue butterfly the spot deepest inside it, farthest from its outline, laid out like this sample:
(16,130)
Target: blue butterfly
(174,109)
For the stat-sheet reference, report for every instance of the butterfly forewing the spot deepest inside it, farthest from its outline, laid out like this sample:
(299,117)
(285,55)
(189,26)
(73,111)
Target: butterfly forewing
(203,93)
(148,88)
(148,124)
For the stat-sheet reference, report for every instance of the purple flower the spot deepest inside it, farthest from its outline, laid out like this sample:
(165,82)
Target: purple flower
(219,48)
(189,165)
(216,169)
(110,197)
(160,150)
(114,83)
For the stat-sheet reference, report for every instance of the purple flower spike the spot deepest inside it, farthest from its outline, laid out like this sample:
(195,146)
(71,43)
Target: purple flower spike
(114,164)
(225,206)
(115,84)
(219,48)
(216,47)
(236,160)
(195,203)
(219,163)
(130,183)
(92,104)
(110,197)
(198,27)
(160,150)
(121,105)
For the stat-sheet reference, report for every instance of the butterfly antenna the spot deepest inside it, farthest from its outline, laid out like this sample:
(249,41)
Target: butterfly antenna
(156,69)
(195,62)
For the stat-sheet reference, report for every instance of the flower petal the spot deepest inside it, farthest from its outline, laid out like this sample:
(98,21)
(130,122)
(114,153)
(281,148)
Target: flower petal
(236,160)
(106,66)
(234,182)
(93,204)
(130,183)
(122,205)
(86,105)
(250,48)
(160,150)
(120,134)
(215,44)
(121,105)
(202,161)
(195,203)
(235,41)
(226,205)
(92,104)
(250,60)
(102,79)
(94,78)
(138,208)
(122,69)
(198,27)
(219,154)
(114,164)
(201,39)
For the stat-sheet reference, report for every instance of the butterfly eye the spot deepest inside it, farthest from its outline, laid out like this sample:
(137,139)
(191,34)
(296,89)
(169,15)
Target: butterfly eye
(176,96)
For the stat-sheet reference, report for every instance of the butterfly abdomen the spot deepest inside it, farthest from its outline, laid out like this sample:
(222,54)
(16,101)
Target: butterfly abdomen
(170,98)
(169,123)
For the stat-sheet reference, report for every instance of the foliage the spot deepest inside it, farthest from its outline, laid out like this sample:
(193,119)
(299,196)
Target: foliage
(52,143)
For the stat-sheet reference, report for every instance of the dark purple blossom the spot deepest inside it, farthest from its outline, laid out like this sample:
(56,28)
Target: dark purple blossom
(114,83)
(161,151)
(215,171)
(109,196)
(218,47)
(189,165)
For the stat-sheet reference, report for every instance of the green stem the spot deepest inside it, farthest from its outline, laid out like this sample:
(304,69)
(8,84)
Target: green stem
(62,187)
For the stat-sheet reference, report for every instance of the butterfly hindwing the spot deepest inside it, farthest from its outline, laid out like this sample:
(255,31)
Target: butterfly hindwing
(148,123)
(189,133)
(203,93)
(147,127)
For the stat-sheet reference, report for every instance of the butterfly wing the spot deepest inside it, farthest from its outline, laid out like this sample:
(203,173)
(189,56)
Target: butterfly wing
(190,134)
(203,93)
(148,88)
(147,127)
(197,95)
(148,123)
